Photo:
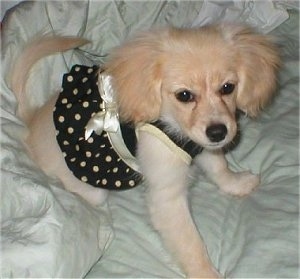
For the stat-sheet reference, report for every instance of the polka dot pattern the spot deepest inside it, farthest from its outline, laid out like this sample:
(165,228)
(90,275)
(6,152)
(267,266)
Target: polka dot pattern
(92,161)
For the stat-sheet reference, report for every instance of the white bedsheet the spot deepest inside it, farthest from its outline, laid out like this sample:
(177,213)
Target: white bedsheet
(48,232)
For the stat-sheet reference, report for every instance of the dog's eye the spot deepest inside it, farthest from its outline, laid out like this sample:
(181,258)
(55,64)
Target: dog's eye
(227,88)
(185,96)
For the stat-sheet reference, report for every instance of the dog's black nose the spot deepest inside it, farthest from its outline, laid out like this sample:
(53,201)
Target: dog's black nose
(216,132)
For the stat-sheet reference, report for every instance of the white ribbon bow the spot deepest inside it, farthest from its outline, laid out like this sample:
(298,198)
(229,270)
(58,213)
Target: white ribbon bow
(107,119)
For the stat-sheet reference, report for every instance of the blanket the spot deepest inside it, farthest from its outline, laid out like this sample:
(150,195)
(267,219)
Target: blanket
(49,232)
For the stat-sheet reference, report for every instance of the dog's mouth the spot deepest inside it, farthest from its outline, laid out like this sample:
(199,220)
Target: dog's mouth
(226,144)
(214,146)
(216,136)
(217,145)
(212,137)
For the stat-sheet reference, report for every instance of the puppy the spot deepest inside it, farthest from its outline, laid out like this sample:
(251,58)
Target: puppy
(178,90)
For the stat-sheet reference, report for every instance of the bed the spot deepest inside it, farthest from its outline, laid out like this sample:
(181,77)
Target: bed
(49,232)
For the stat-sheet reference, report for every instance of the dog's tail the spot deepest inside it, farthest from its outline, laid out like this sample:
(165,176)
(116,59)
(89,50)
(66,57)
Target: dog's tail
(33,52)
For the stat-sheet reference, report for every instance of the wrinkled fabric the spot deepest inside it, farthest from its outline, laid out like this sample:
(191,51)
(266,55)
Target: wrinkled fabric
(262,15)
(48,232)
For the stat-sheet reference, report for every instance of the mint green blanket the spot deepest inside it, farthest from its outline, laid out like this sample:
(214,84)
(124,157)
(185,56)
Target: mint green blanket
(48,232)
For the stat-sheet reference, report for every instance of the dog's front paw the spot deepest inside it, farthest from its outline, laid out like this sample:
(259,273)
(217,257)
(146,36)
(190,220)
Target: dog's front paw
(241,183)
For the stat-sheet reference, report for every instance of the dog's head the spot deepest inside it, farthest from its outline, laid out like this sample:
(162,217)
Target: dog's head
(195,79)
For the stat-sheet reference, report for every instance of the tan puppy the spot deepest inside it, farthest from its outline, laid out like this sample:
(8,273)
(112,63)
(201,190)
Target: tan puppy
(192,79)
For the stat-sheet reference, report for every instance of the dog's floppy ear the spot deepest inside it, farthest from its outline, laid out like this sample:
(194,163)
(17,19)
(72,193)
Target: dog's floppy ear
(258,60)
(136,77)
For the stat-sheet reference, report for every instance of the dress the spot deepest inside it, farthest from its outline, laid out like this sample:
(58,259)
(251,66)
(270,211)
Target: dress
(94,160)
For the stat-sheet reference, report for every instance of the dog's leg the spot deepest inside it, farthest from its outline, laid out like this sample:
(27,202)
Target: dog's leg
(215,166)
(167,177)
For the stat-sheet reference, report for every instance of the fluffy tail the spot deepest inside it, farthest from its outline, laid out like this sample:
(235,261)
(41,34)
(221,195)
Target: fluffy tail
(34,51)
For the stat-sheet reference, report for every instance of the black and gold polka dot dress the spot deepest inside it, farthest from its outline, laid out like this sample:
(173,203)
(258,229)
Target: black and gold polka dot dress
(94,160)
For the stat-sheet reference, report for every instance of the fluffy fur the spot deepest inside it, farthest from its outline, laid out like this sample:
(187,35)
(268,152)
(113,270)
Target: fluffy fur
(193,79)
